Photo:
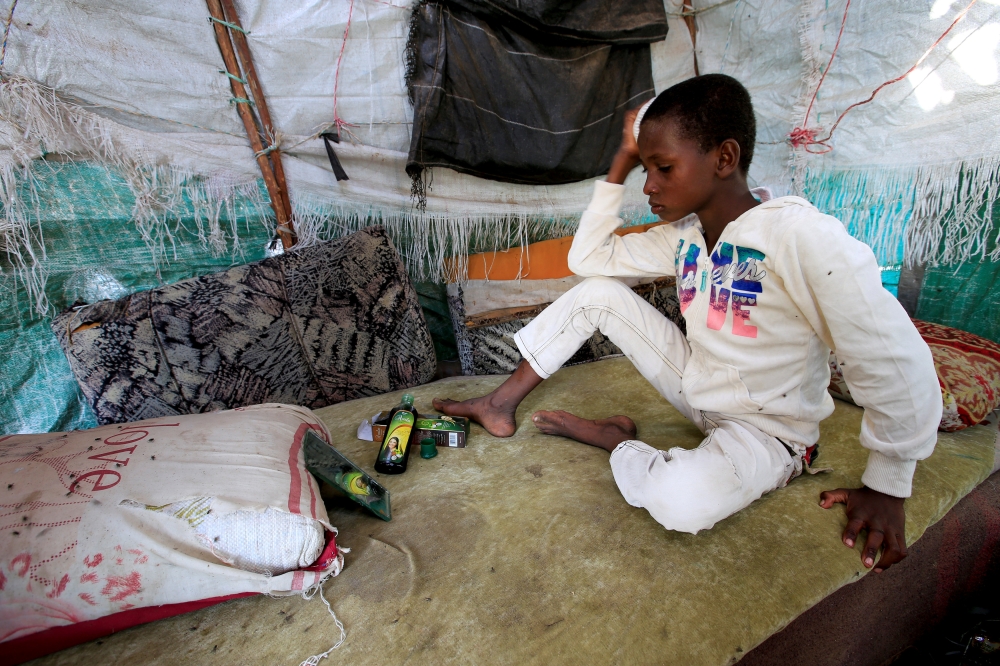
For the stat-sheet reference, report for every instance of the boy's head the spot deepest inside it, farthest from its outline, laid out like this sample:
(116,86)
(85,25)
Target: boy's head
(708,110)
(693,134)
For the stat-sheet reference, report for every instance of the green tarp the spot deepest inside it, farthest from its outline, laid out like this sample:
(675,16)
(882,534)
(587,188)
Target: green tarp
(92,248)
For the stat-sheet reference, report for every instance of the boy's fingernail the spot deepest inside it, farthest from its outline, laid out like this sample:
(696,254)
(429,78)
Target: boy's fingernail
(850,543)
(869,562)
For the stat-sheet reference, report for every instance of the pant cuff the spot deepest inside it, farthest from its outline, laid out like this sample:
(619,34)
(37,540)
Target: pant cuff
(529,357)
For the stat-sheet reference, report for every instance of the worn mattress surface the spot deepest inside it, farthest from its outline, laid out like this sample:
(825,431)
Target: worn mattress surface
(523,551)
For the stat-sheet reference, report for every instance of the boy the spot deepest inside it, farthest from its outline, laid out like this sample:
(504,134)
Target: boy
(766,288)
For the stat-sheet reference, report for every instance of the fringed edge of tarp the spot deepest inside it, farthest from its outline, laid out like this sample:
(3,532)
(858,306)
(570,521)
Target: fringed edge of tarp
(437,247)
(432,247)
(933,215)
(38,122)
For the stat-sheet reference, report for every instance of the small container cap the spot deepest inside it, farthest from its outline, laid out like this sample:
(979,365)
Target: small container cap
(428,449)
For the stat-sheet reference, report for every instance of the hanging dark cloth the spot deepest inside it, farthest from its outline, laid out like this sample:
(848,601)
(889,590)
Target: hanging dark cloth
(607,21)
(519,104)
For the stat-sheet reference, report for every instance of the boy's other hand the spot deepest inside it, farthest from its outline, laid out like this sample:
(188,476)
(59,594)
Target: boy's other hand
(882,515)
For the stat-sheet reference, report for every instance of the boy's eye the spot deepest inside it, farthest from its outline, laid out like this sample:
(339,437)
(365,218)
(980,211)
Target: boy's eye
(663,169)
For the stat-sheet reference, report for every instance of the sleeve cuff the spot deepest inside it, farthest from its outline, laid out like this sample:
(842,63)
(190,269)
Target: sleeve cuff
(889,475)
(607,198)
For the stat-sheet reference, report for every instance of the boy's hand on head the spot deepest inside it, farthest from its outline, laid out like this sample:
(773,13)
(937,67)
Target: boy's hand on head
(882,515)
(629,146)
(627,156)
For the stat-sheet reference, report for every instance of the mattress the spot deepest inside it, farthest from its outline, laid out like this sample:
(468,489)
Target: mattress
(522,550)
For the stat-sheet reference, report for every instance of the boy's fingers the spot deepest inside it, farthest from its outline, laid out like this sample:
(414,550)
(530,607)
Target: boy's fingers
(895,551)
(872,544)
(828,498)
(851,531)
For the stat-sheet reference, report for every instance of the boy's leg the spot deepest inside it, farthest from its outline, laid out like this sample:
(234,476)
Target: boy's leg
(691,490)
(653,343)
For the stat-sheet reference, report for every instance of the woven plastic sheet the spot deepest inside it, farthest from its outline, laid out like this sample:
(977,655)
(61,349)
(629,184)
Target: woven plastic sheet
(93,251)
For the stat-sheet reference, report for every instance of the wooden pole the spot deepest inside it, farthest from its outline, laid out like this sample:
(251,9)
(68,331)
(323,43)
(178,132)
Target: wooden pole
(692,27)
(243,51)
(285,229)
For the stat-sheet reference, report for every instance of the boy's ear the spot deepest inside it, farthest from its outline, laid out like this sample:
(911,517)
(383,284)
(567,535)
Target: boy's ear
(729,158)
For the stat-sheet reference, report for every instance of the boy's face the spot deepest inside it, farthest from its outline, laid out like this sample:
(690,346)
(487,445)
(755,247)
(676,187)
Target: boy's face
(680,177)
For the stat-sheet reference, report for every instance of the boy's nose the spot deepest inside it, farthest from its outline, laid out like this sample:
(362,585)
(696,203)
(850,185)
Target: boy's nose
(649,187)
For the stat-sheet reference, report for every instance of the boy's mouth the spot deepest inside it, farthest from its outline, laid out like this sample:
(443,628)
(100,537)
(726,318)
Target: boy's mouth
(655,209)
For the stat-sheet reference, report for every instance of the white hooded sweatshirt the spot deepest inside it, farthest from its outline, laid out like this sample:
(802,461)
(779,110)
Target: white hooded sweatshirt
(784,285)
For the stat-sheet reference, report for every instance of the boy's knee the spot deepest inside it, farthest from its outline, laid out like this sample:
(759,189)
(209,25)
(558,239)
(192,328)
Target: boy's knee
(685,491)
(603,290)
(689,514)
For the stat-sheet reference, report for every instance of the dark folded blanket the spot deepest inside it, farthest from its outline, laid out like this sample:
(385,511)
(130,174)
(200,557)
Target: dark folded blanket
(514,94)
(312,327)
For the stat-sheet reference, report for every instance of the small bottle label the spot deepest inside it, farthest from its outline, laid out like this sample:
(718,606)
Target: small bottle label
(397,437)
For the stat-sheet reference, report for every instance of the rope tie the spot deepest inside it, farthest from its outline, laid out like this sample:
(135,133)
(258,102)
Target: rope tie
(338,121)
(231,26)
(233,76)
(241,100)
(695,11)
(270,149)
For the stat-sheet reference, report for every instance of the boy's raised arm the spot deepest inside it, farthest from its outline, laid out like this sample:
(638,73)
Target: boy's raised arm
(835,281)
(597,250)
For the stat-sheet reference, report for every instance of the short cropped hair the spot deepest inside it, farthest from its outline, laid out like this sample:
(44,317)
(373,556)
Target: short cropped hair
(709,109)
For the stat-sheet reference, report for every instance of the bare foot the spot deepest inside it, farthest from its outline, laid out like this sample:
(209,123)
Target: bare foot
(498,420)
(602,433)
(495,411)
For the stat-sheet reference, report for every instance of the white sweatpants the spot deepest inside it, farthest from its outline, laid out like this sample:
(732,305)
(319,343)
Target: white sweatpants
(683,490)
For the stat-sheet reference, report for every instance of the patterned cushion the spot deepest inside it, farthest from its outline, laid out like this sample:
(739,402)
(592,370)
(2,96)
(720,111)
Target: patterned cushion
(968,369)
(313,327)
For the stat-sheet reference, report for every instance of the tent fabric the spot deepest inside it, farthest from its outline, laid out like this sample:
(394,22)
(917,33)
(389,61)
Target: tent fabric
(907,173)
(150,94)
(498,103)
(964,295)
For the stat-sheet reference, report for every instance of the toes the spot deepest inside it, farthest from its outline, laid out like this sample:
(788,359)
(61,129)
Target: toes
(542,417)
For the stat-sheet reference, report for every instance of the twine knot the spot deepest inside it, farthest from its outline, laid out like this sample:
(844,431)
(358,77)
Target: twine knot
(805,137)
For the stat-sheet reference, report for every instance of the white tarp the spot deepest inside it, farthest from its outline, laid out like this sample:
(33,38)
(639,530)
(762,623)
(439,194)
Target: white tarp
(147,75)
(894,169)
